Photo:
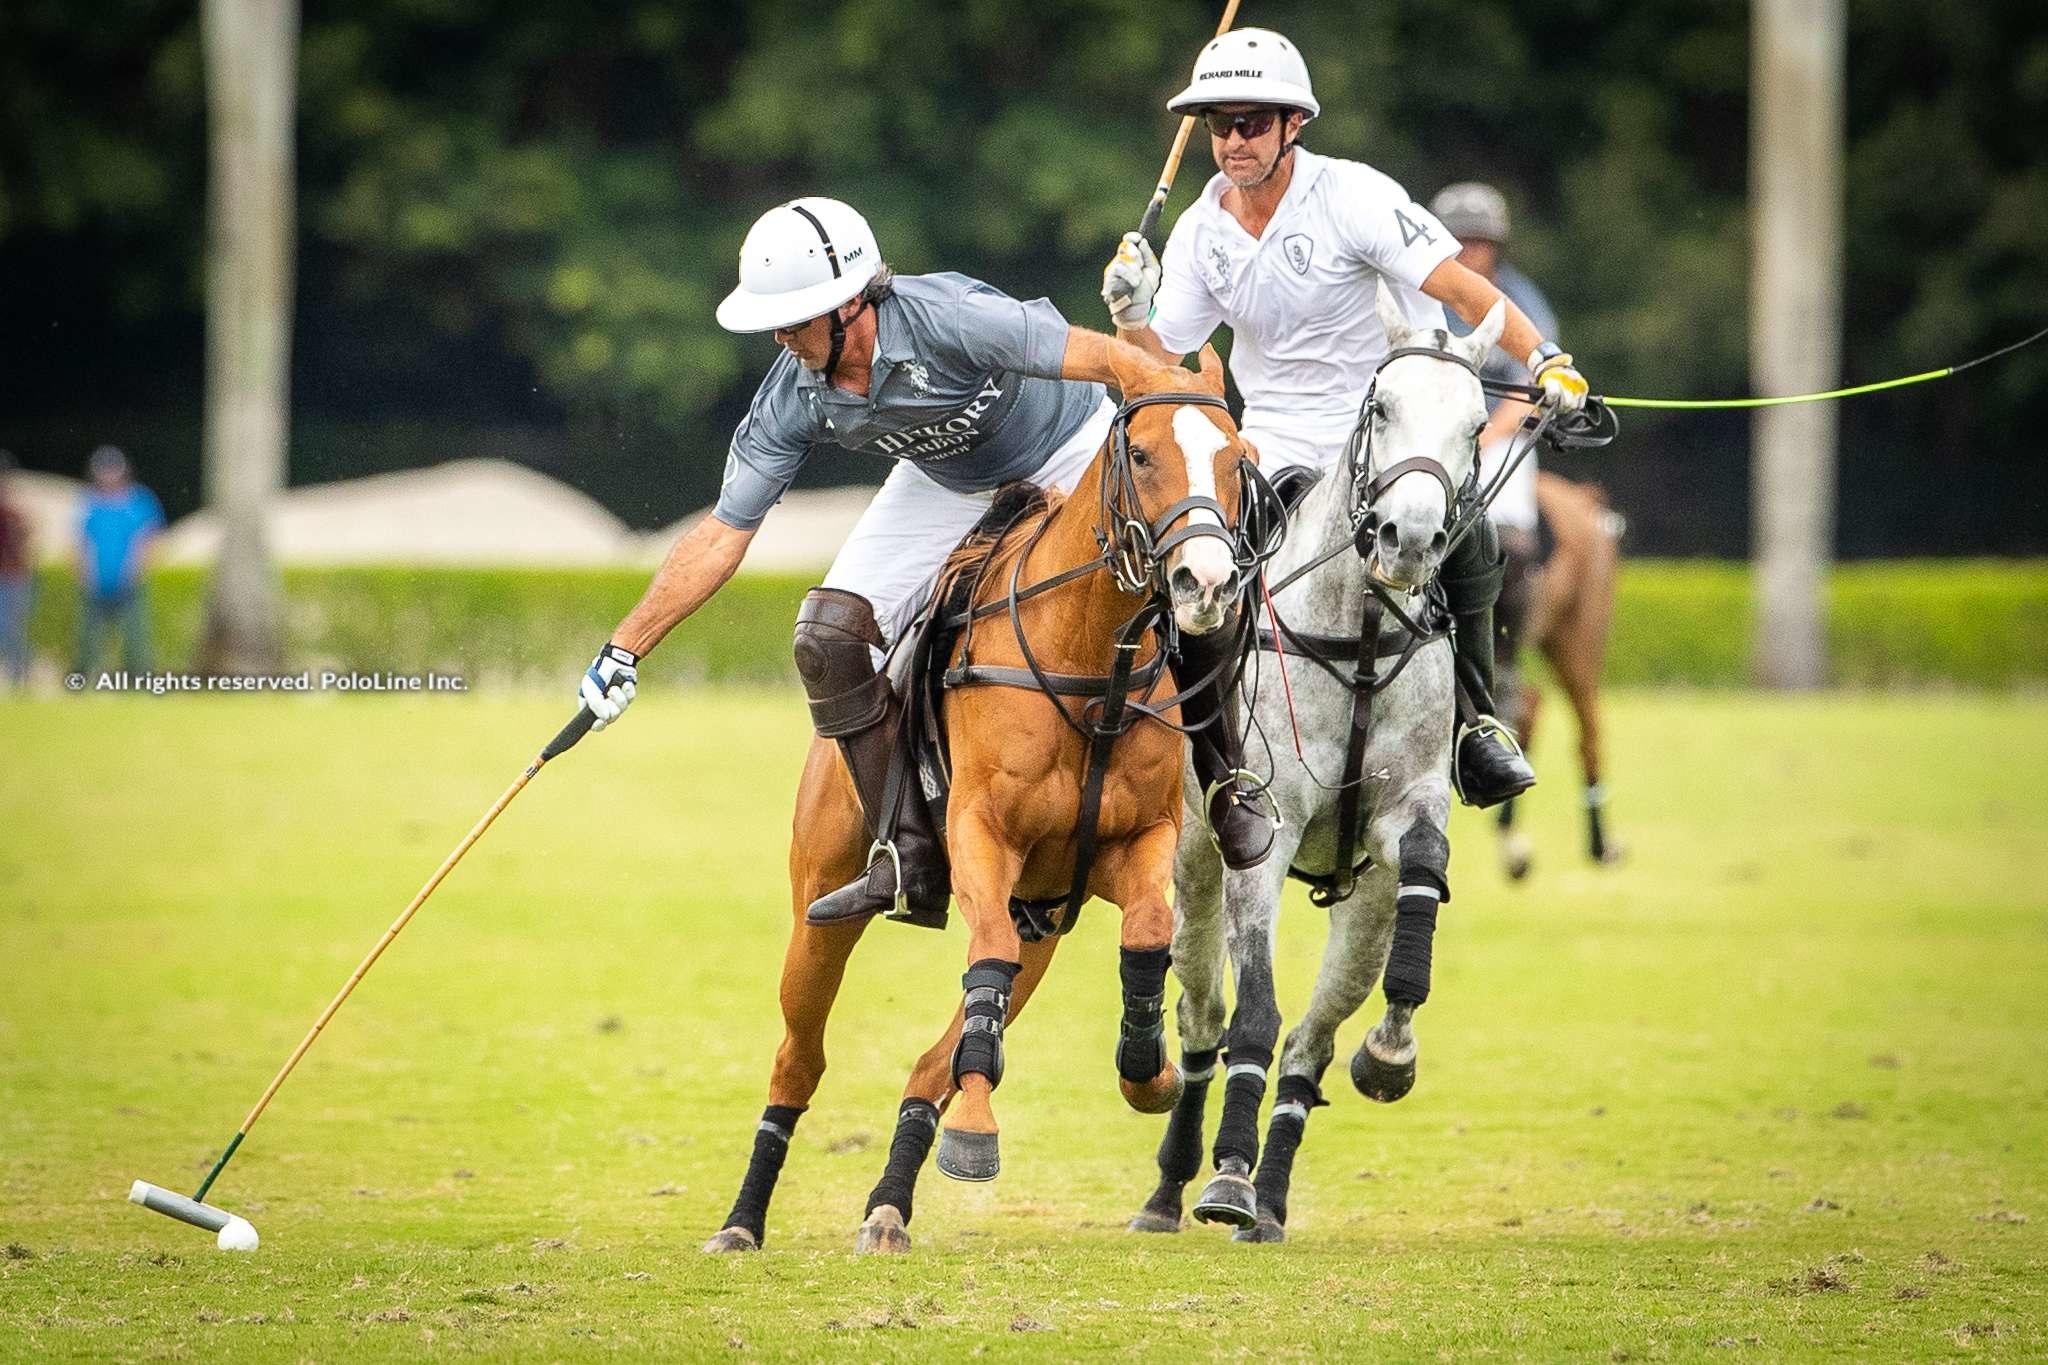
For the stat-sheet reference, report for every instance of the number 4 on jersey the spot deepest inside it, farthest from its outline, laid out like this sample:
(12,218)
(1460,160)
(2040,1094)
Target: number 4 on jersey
(1412,231)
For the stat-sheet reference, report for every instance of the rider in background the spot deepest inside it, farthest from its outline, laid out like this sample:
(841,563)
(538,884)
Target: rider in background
(1286,248)
(1477,214)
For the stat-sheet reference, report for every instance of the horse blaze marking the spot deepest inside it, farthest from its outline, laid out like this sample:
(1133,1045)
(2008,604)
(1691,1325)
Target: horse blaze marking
(1199,440)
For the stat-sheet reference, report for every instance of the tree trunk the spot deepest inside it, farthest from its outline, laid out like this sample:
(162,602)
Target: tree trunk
(251,54)
(1795,327)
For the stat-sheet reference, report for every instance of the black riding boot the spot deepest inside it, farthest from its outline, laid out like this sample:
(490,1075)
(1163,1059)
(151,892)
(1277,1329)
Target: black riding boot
(1489,766)
(1240,814)
(851,703)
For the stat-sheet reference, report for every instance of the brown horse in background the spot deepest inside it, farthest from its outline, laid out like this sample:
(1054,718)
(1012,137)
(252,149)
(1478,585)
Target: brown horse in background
(1567,609)
(1018,765)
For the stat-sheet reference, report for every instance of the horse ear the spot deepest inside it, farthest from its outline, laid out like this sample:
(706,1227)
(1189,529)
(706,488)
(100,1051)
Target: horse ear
(1399,333)
(1135,371)
(1212,370)
(1486,335)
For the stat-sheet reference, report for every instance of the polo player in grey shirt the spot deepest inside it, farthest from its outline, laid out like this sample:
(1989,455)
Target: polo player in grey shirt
(960,386)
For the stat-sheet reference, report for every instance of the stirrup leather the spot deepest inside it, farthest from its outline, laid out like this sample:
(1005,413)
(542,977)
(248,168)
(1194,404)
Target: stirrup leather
(1256,789)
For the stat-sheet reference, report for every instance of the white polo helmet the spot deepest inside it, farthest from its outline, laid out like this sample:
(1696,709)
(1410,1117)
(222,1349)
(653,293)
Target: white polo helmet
(1472,210)
(1248,66)
(800,261)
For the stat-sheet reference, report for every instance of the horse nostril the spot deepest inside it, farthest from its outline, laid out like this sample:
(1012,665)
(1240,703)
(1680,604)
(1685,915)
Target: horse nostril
(1184,582)
(1439,542)
(1390,539)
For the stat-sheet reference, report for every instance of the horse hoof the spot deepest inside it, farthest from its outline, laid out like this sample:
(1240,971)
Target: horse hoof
(1228,1199)
(731,1239)
(965,1155)
(1267,1229)
(1614,855)
(1515,857)
(1156,1096)
(882,1233)
(1152,1220)
(1381,1081)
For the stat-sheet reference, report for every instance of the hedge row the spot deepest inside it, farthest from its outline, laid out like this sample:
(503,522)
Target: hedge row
(1972,624)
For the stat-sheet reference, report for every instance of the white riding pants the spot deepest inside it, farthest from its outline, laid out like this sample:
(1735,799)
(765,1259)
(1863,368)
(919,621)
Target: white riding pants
(901,542)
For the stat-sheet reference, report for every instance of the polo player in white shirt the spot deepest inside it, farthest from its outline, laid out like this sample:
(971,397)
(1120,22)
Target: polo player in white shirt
(1286,248)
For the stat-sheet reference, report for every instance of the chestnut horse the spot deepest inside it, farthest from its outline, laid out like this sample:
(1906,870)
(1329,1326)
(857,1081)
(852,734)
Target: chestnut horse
(1145,536)
(1566,612)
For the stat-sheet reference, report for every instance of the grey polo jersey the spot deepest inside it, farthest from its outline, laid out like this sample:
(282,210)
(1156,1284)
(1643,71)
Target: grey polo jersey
(965,386)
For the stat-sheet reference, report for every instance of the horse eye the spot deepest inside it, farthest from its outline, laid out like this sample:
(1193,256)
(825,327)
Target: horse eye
(1141,457)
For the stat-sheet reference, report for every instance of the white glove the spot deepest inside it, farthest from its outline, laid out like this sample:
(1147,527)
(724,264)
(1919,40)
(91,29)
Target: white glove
(608,686)
(1561,383)
(1129,281)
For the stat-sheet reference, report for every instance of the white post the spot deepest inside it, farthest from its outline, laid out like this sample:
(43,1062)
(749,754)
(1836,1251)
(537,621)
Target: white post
(1796,58)
(251,57)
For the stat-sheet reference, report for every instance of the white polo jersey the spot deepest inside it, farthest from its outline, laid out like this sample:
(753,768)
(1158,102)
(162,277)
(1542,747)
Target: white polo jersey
(1300,298)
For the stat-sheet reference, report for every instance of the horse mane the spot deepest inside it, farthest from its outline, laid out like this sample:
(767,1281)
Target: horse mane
(1001,534)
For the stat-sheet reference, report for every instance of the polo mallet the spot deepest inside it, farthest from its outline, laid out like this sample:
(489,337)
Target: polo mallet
(1150,222)
(235,1233)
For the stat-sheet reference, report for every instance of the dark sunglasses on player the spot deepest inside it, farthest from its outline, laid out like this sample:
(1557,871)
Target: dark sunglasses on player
(1253,125)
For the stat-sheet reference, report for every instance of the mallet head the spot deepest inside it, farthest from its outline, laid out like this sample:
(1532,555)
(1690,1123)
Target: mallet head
(233,1231)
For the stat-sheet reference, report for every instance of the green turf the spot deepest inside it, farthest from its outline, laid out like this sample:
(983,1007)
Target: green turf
(1774,1088)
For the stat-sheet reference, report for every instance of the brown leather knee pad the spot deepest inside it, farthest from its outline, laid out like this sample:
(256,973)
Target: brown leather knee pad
(835,632)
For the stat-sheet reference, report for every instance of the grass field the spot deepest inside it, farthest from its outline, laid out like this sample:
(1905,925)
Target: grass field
(1777,1087)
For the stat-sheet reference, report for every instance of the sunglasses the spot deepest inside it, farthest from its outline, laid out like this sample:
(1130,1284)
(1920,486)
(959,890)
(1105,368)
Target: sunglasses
(1250,126)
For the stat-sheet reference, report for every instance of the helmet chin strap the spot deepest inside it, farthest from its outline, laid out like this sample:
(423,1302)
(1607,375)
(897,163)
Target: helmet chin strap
(839,338)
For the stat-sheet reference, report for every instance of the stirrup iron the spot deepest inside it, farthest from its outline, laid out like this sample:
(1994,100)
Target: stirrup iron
(901,909)
(1257,788)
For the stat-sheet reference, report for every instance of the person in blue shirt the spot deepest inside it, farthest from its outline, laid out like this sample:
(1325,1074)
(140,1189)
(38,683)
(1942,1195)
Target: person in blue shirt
(17,580)
(118,520)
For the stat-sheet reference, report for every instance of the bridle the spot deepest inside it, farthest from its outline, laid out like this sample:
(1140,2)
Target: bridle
(1369,483)
(1135,550)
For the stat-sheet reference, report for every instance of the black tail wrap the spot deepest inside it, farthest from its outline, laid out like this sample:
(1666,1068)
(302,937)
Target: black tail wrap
(1238,1133)
(917,1123)
(987,984)
(1425,859)
(1180,1151)
(1283,1137)
(1141,1049)
(771,1146)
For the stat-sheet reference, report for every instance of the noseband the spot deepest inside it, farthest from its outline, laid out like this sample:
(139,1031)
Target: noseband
(1368,483)
(1136,550)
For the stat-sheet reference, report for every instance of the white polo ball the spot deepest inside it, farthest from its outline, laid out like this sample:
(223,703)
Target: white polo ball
(238,1235)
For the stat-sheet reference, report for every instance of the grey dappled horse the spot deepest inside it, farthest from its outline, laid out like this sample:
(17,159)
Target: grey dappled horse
(1427,406)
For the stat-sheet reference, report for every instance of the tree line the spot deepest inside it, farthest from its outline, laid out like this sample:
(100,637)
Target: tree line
(515,220)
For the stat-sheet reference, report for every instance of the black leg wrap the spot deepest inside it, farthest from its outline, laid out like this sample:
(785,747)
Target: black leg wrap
(917,1122)
(1596,831)
(980,1051)
(1180,1151)
(771,1145)
(1425,856)
(1141,1049)
(1291,1103)
(1243,1091)
(1507,814)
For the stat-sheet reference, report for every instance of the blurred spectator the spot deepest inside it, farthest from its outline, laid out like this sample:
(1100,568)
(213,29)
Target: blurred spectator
(16,580)
(117,526)
(1477,216)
